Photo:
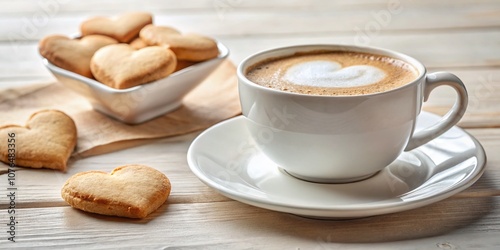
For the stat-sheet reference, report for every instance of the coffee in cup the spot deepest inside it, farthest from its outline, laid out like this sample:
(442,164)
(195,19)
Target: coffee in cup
(332,73)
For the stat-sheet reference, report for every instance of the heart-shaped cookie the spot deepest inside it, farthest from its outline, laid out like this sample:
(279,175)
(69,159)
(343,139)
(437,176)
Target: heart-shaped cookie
(46,141)
(123,28)
(132,191)
(332,74)
(189,47)
(73,54)
(120,66)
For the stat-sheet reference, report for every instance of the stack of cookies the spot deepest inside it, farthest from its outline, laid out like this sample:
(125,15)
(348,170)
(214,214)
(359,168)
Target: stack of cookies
(127,50)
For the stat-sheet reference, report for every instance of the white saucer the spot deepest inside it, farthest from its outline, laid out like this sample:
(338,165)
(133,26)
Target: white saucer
(225,158)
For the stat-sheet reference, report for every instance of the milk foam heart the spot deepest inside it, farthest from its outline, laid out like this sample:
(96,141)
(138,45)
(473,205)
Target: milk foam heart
(331,74)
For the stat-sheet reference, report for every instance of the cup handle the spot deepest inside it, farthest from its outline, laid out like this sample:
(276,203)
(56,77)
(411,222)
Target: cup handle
(451,118)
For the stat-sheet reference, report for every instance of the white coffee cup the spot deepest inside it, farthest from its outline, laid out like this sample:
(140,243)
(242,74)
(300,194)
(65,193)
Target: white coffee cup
(337,139)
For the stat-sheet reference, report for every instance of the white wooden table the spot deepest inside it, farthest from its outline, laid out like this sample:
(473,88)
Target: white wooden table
(461,36)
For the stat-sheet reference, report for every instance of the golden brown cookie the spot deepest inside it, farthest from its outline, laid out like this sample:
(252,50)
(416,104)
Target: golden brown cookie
(132,191)
(120,66)
(123,28)
(46,141)
(73,54)
(189,47)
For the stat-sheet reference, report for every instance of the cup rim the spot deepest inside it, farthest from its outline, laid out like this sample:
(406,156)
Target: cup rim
(266,54)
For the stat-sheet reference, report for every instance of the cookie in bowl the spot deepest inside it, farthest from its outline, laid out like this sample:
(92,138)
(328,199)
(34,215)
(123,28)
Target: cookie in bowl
(73,54)
(120,66)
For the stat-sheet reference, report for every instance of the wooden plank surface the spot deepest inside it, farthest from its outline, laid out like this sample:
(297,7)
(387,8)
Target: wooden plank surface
(461,36)
(27,6)
(233,225)
(235,21)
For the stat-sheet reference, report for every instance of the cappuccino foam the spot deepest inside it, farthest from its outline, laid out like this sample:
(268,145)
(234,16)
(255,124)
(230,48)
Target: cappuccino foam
(332,73)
